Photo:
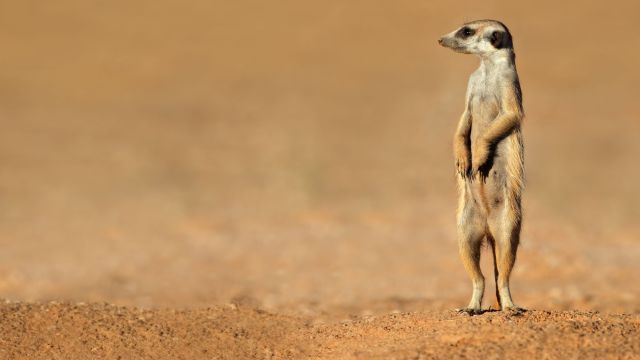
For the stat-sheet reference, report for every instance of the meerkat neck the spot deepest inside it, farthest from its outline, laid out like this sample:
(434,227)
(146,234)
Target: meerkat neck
(497,61)
(498,57)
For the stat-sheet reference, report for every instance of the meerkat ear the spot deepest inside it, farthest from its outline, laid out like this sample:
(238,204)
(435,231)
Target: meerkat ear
(500,39)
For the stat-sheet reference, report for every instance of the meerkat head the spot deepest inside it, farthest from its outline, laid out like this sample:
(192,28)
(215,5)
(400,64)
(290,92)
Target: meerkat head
(481,37)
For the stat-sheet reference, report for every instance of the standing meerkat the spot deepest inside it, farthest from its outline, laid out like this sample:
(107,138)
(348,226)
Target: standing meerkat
(489,159)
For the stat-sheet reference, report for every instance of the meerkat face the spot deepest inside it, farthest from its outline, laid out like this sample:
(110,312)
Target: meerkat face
(482,38)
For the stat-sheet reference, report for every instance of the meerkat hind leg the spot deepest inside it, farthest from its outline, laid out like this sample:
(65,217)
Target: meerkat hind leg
(506,234)
(492,243)
(470,235)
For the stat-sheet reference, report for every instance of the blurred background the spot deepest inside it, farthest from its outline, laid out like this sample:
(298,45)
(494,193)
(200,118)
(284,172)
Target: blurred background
(296,155)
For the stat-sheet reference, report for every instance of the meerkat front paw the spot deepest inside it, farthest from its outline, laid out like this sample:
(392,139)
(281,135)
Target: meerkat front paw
(480,156)
(463,167)
(463,161)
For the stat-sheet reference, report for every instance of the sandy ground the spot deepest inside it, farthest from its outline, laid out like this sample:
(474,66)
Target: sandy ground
(102,331)
(276,179)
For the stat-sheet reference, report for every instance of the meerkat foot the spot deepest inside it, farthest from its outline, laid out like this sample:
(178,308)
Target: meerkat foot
(470,311)
(514,310)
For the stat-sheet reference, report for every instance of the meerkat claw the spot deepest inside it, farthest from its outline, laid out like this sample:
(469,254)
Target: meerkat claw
(470,311)
(515,311)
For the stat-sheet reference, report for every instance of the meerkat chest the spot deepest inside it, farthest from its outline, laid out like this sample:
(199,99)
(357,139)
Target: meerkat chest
(484,100)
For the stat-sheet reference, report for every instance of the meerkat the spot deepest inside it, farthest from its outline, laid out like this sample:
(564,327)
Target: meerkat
(489,158)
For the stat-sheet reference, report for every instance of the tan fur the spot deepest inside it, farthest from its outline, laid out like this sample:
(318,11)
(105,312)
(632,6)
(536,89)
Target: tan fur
(489,155)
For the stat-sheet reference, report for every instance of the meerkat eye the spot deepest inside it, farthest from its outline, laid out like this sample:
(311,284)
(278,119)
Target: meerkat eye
(465,32)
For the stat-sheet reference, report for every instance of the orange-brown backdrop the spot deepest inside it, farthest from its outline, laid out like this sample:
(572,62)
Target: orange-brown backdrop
(297,154)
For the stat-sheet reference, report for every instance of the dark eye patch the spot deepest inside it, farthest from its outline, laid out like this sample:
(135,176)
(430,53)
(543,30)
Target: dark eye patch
(465,32)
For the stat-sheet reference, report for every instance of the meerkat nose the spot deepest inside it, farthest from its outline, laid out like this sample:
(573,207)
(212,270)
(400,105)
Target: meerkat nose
(440,41)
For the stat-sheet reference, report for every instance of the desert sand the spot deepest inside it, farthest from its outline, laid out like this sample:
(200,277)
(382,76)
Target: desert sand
(248,179)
